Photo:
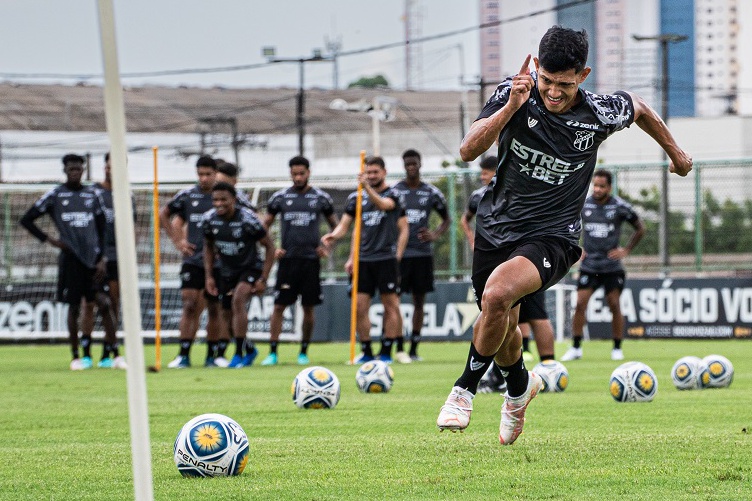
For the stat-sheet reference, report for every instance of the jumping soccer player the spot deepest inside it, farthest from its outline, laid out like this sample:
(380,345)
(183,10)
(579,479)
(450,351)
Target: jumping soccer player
(528,224)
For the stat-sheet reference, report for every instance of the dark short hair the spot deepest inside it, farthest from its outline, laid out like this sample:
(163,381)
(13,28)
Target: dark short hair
(228,169)
(206,161)
(299,160)
(222,186)
(376,161)
(72,157)
(563,49)
(489,163)
(410,153)
(604,173)
(107,157)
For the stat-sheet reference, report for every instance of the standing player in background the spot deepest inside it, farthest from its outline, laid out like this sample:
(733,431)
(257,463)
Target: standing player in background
(181,220)
(228,173)
(487,172)
(301,208)
(416,267)
(602,217)
(111,283)
(232,234)
(548,131)
(384,234)
(534,317)
(79,218)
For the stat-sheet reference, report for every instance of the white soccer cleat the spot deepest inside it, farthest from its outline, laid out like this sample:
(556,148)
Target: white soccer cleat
(77,365)
(403,358)
(221,362)
(455,413)
(617,354)
(119,363)
(572,354)
(513,410)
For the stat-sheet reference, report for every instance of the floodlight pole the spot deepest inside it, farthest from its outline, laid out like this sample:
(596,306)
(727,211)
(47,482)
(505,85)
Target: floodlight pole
(663,240)
(300,107)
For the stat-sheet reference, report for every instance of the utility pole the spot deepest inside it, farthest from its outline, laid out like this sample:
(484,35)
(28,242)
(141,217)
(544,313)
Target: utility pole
(663,239)
(270,54)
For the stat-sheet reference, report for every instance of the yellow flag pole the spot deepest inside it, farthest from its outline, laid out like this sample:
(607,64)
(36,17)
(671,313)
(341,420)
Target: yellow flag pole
(356,260)
(157,288)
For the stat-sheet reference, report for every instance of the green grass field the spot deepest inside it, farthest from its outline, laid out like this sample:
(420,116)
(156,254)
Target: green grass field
(64,435)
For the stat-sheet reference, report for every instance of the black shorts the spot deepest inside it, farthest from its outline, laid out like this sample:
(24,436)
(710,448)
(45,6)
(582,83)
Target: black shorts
(533,307)
(74,280)
(298,276)
(416,274)
(609,281)
(552,256)
(378,275)
(193,277)
(112,271)
(227,283)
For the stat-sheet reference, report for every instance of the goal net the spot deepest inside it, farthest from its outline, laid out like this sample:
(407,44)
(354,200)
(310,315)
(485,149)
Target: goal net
(28,269)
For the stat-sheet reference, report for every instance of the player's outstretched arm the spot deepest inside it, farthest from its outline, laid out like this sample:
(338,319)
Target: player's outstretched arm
(485,131)
(649,121)
(338,232)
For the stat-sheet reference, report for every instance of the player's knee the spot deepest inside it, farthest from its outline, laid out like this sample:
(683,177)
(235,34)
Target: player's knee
(190,307)
(496,300)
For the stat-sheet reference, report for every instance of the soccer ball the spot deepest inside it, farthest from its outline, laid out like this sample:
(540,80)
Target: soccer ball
(554,375)
(315,388)
(720,370)
(689,373)
(211,445)
(375,377)
(633,382)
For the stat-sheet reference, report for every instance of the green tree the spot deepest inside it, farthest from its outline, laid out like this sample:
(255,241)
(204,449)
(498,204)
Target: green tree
(374,82)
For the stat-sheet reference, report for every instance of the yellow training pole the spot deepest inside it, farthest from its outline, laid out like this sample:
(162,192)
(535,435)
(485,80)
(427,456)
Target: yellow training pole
(356,260)
(157,289)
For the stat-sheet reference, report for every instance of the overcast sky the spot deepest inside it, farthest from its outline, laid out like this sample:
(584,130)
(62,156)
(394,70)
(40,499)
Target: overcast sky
(62,37)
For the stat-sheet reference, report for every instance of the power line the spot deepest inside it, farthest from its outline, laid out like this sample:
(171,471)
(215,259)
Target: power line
(245,67)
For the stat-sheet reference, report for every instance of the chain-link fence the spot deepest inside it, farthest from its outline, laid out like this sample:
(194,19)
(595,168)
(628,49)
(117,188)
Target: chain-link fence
(709,226)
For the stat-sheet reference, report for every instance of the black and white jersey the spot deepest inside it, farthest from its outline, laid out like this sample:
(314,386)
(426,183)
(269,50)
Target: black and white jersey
(242,200)
(378,231)
(190,204)
(110,244)
(601,232)
(418,205)
(300,219)
(235,239)
(472,202)
(79,218)
(546,161)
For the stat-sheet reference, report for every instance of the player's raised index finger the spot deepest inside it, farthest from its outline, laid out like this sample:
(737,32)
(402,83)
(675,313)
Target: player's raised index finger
(525,66)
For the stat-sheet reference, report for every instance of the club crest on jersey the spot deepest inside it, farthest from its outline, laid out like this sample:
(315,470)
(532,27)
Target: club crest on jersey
(583,140)
(237,232)
(531,122)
